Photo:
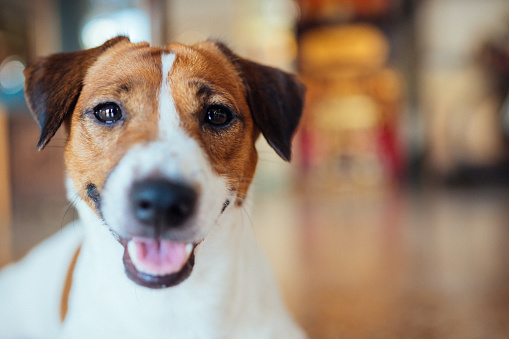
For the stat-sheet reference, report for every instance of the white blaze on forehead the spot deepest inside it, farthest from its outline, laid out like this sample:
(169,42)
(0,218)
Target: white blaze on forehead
(168,117)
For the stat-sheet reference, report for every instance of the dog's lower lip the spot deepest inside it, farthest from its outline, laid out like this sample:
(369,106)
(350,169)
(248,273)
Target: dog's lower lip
(156,281)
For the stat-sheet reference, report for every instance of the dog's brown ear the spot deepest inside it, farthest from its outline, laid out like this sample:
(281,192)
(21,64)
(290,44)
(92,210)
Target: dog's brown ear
(275,98)
(53,84)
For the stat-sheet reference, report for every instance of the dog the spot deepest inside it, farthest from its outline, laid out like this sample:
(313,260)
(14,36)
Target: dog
(160,156)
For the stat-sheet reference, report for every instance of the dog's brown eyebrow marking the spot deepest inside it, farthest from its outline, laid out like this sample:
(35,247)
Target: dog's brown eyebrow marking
(124,87)
(203,88)
(205,91)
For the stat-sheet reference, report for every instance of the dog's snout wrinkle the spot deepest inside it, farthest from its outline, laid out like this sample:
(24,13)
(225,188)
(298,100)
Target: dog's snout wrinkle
(162,204)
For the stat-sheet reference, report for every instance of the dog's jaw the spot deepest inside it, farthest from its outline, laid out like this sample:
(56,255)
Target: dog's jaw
(171,161)
(115,216)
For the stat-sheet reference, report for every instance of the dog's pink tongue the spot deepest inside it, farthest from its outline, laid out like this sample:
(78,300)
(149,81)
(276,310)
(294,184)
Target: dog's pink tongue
(158,257)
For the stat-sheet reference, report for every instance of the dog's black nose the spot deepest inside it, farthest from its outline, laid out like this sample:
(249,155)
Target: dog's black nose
(162,204)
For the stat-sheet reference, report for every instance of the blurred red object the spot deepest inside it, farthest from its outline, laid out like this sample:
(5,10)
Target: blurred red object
(315,9)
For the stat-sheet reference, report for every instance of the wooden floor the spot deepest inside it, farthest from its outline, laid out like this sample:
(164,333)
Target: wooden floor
(392,264)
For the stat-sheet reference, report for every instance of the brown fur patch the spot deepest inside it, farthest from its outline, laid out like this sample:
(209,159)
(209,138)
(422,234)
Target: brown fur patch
(128,75)
(202,76)
(64,302)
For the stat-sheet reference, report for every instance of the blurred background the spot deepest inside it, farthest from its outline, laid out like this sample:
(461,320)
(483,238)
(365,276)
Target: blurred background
(392,221)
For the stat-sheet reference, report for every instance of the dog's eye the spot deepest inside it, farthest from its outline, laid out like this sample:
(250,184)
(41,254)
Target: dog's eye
(108,113)
(218,115)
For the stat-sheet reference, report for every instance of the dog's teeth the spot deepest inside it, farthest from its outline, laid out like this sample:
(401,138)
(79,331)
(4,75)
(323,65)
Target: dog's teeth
(189,248)
(131,248)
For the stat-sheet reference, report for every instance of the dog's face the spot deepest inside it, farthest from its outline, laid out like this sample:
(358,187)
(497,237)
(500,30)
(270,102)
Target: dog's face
(161,140)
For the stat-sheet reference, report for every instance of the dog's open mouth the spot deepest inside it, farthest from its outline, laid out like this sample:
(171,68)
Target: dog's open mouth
(157,263)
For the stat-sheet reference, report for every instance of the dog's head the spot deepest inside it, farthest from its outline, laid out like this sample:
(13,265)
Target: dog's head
(161,141)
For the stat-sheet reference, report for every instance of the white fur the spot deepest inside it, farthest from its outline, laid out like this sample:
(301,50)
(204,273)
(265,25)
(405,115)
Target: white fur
(231,292)
(178,160)
(168,116)
(31,290)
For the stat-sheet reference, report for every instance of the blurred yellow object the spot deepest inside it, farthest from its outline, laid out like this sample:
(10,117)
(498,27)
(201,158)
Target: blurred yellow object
(355,46)
(347,113)
(387,85)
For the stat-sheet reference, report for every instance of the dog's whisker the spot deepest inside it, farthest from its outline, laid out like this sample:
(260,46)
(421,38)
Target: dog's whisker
(248,216)
(70,205)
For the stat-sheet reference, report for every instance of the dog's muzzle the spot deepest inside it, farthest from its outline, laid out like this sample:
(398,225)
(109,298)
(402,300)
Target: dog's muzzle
(160,202)
(159,208)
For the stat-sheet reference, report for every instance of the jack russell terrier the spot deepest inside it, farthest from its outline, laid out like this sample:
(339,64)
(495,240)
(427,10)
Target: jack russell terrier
(160,156)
